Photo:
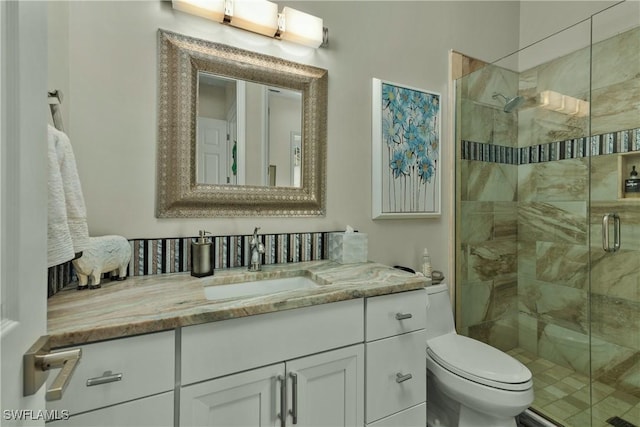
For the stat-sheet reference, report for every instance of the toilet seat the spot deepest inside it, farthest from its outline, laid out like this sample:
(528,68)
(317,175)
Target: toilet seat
(479,362)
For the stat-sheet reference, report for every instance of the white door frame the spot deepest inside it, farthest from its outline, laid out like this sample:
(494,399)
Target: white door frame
(23,205)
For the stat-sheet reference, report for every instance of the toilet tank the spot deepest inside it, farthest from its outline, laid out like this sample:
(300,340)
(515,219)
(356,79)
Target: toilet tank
(439,312)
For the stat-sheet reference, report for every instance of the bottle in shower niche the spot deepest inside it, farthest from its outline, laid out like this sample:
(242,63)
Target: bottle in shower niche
(202,256)
(632,184)
(426,264)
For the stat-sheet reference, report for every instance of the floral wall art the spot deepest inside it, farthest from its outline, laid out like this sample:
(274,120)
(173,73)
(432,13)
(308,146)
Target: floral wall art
(406,151)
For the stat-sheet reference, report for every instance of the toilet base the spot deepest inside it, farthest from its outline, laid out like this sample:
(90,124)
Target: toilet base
(446,412)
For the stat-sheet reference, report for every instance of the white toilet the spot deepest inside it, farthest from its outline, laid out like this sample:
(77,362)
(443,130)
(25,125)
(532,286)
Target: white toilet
(469,383)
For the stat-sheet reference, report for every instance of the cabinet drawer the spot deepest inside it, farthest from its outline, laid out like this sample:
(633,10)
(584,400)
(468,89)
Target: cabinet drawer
(146,363)
(154,411)
(394,314)
(415,416)
(220,348)
(387,361)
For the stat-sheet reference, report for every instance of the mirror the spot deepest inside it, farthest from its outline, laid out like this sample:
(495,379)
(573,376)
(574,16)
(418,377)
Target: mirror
(280,170)
(246,132)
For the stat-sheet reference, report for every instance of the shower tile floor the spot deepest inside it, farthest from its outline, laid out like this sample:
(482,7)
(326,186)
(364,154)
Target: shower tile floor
(563,395)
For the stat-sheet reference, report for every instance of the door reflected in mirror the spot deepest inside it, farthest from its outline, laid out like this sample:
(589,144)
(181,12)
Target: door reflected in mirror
(248,133)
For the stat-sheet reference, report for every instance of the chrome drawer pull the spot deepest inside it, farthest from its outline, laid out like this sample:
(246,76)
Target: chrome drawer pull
(294,397)
(107,377)
(402,378)
(283,400)
(402,316)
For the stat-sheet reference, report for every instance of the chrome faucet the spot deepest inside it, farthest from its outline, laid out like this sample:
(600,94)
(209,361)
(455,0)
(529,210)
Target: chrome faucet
(255,248)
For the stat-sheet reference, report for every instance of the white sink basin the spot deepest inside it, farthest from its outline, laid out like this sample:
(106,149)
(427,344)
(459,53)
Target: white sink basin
(258,287)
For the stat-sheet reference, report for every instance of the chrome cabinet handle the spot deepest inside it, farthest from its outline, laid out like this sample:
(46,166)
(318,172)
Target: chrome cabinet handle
(606,244)
(107,377)
(403,316)
(294,397)
(283,400)
(400,378)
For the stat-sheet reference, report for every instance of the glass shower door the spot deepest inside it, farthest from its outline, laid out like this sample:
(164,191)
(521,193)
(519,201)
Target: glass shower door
(615,216)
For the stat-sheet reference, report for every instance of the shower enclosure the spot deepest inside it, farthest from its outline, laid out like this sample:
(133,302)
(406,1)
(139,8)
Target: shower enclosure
(548,219)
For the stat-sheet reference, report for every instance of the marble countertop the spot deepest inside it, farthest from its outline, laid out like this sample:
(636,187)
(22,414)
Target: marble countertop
(155,303)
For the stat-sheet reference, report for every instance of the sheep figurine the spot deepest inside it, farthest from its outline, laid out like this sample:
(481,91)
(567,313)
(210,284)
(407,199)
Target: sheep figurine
(104,254)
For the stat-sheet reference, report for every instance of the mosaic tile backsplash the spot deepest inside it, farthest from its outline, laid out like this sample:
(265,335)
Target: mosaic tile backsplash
(173,255)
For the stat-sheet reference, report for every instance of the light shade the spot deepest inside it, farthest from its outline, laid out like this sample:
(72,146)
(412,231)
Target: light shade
(210,9)
(300,27)
(258,16)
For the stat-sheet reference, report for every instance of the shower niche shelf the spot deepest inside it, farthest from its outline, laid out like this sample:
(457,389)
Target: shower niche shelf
(626,163)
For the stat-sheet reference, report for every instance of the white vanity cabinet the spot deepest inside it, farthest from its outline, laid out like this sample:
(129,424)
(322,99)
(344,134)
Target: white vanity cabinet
(127,381)
(396,359)
(314,371)
(320,390)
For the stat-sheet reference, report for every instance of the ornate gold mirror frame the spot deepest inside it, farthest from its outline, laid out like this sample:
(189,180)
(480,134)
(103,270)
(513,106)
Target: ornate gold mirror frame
(178,193)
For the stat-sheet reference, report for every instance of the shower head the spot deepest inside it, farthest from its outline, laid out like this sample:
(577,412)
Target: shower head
(510,103)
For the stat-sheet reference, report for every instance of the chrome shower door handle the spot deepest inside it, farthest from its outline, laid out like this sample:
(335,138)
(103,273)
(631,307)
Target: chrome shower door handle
(606,243)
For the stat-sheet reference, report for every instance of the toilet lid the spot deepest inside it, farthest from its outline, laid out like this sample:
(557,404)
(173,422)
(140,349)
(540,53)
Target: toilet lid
(479,362)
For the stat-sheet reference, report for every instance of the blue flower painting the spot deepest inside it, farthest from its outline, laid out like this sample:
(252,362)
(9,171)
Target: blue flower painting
(410,128)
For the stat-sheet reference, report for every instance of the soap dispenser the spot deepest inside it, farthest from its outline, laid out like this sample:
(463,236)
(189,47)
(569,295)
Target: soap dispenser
(202,256)
(426,264)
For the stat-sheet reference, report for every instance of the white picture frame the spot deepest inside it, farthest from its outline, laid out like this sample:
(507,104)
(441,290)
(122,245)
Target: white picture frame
(406,146)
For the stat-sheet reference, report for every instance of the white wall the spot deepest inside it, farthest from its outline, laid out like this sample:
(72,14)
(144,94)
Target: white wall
(550,30)
(539,19)
(112,85)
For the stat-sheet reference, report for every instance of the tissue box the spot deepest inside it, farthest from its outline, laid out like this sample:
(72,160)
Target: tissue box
(348,248)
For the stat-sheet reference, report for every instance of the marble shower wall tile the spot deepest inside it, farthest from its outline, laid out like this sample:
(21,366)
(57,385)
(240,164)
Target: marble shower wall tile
(569,74)
(615,102)
(615,365)
(604,178)
(502,333)
(478,218)
(539,126)
(491,182)
(479,293)
(483,118)
(476,121)
(565,347)
(562,222)
(616,275)
(616,320)
(613,59)
(480,85)
(552,303)
(563,264)
(563,180)
(505,220)
(528,332)
(616,106)
(492,260)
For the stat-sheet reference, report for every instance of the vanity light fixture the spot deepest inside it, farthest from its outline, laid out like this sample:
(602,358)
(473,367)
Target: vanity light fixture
(262,17)
(210,9)
(300,27)
(258,16)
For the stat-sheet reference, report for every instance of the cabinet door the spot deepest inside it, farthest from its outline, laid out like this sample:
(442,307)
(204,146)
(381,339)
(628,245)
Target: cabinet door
(249,398)
(327,389)
(154,411)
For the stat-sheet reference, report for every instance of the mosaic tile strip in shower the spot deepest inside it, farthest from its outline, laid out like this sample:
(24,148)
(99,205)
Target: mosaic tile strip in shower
(609,143)
(173,255)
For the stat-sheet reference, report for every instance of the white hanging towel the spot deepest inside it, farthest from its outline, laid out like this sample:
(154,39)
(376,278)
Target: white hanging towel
(67,231)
